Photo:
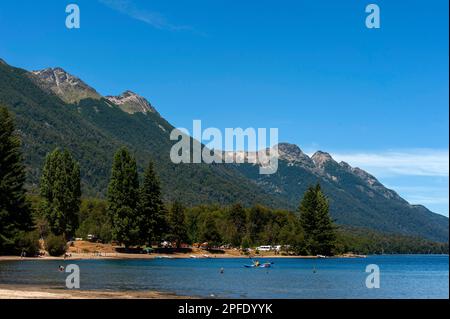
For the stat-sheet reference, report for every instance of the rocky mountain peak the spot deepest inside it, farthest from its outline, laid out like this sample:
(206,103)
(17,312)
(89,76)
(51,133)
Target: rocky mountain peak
(293,154)
(288,148)
(68,87)
(71,89)
(131,102)
(320,158)
(57,76)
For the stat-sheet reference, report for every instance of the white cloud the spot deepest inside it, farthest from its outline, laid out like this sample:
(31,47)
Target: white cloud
(427,200)
(418,175)
(416,162)
(423,195)
(155,19)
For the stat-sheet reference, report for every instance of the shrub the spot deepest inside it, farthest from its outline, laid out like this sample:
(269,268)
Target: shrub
(28,243)
(56,245)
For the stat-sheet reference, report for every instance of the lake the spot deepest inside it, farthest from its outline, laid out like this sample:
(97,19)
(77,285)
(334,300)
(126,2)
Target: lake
(401,276)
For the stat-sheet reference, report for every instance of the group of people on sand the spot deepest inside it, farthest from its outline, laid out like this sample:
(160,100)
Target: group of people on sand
(23,254)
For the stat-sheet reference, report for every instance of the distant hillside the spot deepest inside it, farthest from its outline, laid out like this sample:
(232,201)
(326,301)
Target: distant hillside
(94,128)
(356,197)
(56,109)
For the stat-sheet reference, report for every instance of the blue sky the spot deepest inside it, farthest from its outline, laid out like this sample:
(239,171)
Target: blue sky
(375,98)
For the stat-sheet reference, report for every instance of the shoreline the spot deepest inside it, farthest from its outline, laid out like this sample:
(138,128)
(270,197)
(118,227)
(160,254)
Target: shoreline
(123,256)
(42,292)
(84,250)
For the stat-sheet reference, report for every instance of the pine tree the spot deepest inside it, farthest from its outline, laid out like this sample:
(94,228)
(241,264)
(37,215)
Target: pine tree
(61,191)
(153,222)
(209,232)
(177,223)
(15,213)
(237,217)
(257,218)
(316,222)
(123,198)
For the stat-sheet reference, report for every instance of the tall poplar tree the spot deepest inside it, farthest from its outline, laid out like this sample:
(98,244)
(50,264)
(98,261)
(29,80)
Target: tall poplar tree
(177,223)
(15,214)
(209,232)
(237,218)
(316,222)
(61,191)
(123,198)
(153,224)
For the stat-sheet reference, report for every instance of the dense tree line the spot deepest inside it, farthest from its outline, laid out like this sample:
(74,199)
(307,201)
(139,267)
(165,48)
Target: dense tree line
(217,225)
(134,213)
(366,241)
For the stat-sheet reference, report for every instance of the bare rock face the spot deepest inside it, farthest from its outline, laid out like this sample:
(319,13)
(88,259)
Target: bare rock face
(68,87)
(71,89)
(131,103)
(374,184)
(321,158)
(292,154)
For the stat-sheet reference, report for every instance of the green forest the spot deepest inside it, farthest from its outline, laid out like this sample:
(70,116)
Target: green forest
(134,214)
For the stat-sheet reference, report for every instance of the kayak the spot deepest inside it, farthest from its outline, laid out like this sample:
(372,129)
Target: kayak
(266,265)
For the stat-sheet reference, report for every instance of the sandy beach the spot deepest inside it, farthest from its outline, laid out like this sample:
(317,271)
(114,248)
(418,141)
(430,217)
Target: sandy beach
(121,256)
(82,250)
(35,292)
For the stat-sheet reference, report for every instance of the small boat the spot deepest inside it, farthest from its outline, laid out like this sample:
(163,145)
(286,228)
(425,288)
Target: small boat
(265,265)
(163,257)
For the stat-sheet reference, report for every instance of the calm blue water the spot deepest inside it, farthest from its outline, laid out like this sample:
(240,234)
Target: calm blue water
(402,276)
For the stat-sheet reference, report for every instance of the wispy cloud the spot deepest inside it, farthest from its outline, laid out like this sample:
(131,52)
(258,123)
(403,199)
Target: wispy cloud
(418,175)
(434,195)
(423,195)
(427,200)
(152,18)
(415,162)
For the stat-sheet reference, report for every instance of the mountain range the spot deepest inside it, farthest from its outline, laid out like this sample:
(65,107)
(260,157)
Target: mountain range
(56,109)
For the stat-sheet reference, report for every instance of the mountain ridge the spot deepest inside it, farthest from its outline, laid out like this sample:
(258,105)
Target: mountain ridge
(71,89)
(293,155)
(131,102)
